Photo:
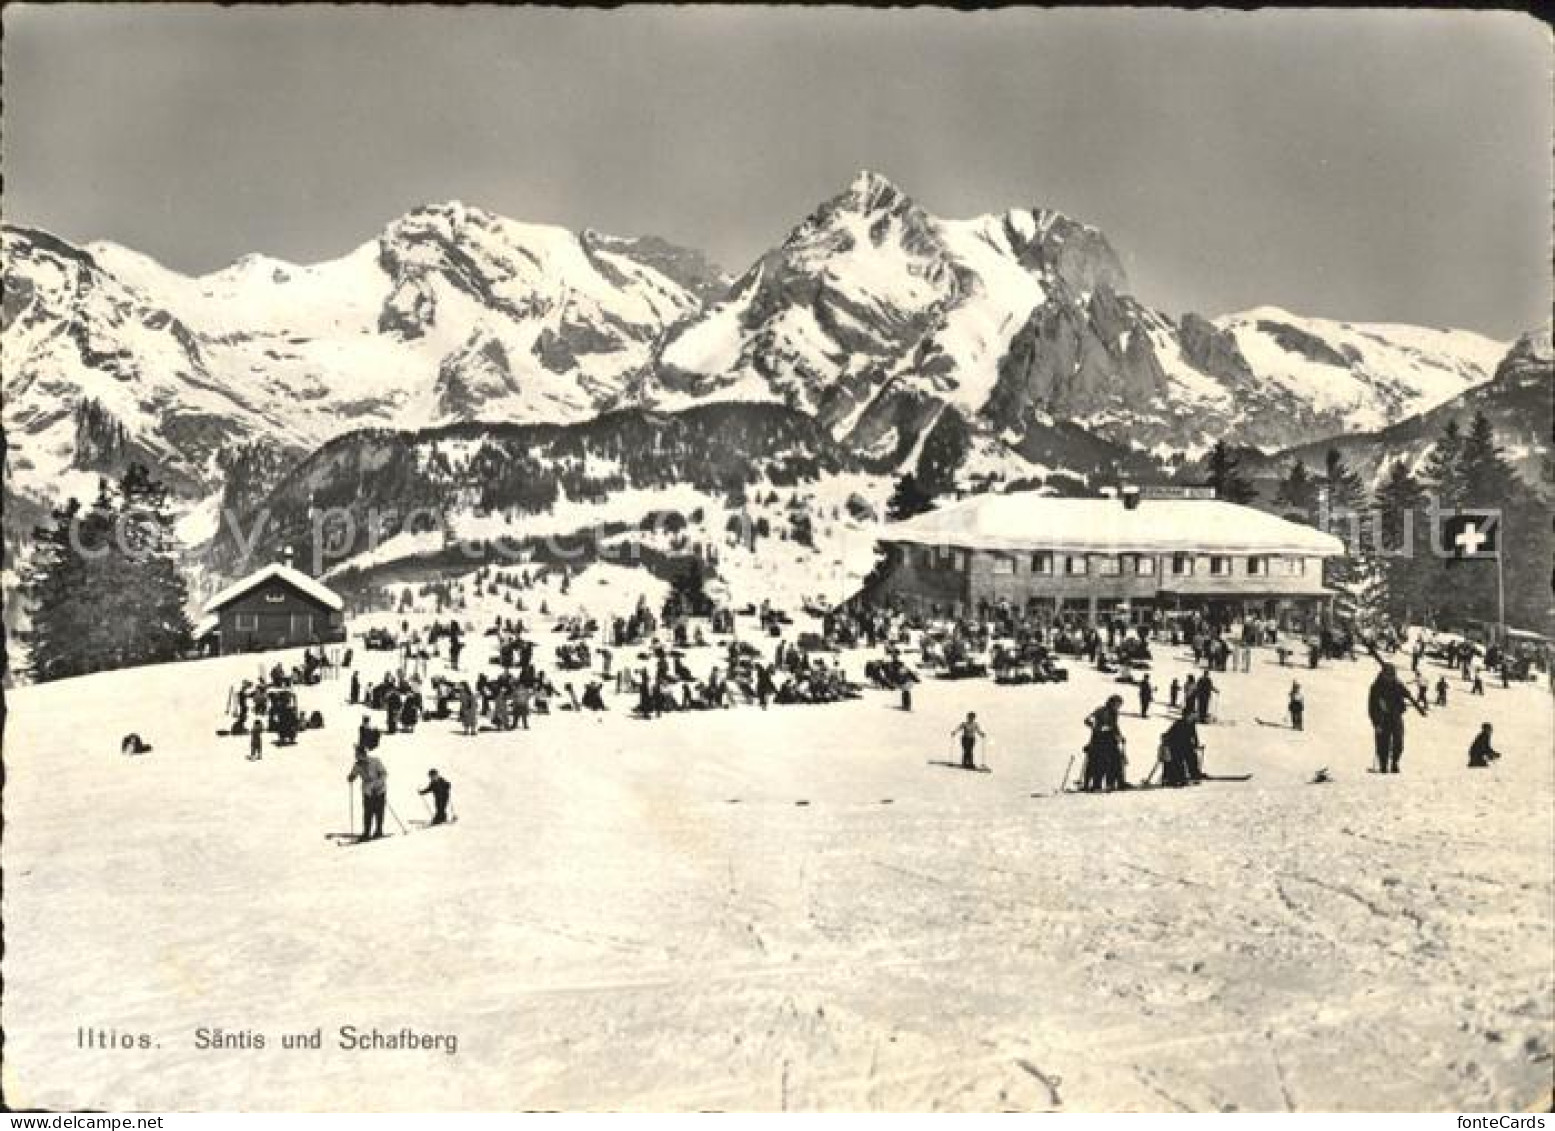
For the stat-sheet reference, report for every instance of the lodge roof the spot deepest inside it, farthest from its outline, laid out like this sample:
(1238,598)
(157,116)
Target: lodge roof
(1027,521)
(295,578)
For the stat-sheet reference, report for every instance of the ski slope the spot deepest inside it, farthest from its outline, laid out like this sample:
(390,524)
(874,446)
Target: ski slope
(785,910)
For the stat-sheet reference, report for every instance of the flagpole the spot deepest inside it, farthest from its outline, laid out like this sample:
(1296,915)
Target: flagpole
(1500,580)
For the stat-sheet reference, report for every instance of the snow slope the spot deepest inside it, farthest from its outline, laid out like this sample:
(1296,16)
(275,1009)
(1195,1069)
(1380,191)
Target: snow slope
(792,910)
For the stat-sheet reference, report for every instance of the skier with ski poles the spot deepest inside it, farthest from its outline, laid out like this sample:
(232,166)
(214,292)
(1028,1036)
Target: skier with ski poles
(970,732)
(375,792)
(440,788)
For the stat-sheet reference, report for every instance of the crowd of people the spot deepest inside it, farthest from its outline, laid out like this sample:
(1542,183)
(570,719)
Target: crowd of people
(642,661)
(267,704)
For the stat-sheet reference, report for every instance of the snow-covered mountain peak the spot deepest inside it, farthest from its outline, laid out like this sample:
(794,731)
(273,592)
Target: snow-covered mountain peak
(871,191)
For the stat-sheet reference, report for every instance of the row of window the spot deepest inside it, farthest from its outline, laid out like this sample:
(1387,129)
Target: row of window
(1048,564)
(301,623)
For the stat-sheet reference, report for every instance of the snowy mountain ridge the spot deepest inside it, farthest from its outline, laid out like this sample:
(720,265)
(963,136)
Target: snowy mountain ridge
(451,313)
(872,314)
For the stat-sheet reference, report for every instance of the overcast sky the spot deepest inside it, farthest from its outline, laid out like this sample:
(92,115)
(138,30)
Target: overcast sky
(1367,166)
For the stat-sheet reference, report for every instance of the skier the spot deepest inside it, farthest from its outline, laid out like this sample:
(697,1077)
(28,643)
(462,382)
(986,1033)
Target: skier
(356,688)
(1180,752)
(970,732)
(256,741)
(1146,695)
(907,696)
(439,787)
(1441,691)
(1298,706)
(1385,704)
(1104,752)
(375,792)
(1172,692)
(1201,694)
(1480,752)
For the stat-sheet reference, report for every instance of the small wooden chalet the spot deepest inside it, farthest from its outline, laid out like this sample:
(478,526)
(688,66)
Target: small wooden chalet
(275,607)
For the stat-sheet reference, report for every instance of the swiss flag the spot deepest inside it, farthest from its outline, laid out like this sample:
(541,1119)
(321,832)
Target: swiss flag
(1471,534)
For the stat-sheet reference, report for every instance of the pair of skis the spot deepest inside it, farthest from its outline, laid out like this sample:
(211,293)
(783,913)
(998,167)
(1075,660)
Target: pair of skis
(346,840)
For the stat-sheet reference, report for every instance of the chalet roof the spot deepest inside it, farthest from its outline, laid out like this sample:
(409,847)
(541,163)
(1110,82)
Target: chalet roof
(295,578)
(1027,521)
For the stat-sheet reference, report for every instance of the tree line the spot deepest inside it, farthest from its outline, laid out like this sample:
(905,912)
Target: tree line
(1393,571)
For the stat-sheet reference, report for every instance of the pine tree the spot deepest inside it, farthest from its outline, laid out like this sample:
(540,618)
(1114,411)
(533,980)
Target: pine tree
(103,586)
(1343,485)
(104,604)
(1297,496)
(1441,471)
(1486,477)
(1400,542)
(1226,478)
(153,582)
(907,499)
(1344,495)
(51,579)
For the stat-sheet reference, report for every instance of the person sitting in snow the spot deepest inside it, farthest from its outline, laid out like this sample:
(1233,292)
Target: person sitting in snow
(1481,754)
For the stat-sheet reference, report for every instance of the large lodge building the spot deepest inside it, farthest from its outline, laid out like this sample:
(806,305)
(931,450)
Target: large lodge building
(1140,558)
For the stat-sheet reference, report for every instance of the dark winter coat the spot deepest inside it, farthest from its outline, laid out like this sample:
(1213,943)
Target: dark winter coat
(439,788)
(1387,701)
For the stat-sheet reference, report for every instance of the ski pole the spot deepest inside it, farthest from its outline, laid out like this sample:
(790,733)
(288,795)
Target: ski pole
(350,811)
(396,817)
(1064,785)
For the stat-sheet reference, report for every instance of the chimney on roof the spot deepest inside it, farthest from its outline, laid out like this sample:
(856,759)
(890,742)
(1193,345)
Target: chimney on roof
(286,557)
(1131,497)
(1109,492)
